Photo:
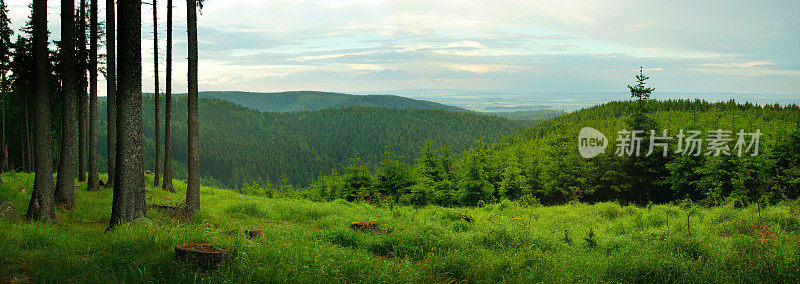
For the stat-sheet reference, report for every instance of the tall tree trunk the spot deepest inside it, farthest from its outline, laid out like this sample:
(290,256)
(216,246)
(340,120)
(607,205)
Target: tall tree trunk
(23,142)
(129,199)
(4,153)
(167,184)
(28,141)
(193,186)
(111,89)
(82,93)
(93,171)
(41,206)
(157,177)
(22,146)
(68,155)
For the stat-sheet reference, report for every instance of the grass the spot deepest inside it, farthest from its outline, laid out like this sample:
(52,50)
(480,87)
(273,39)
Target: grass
(311,242)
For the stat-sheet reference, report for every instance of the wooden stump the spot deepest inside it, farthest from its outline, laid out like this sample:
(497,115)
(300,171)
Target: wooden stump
(364,226)
(8,211)
(205,256)
(369,226)
(255,233)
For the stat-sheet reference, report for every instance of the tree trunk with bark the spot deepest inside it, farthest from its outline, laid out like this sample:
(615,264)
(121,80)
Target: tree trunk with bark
(23,144)
(167,183)
(82,92)
(42,205)
(28,141)
(129,191)
(4,153)
(68,155)
(94,178)
(6,51)
(157,177)
(111,89)
(193,185)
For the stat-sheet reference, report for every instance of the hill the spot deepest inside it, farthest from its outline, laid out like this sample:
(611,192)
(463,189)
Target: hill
(243,146)
(563,174)
(542,163)
(312,100)
(531,114)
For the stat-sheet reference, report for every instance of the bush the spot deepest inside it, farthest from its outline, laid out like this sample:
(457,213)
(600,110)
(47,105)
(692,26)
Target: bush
(608,210)
(255,189)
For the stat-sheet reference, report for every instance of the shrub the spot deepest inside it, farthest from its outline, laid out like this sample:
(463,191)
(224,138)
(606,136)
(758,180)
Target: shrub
(608,210)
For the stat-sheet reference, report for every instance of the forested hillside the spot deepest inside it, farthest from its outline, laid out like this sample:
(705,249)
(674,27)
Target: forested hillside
(531,114)
(312,100)
(244,146)
(542,163)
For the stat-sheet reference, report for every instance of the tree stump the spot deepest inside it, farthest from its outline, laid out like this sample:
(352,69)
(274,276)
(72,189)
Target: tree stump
(205,256)
(364,226)
(8,211)
(255,233)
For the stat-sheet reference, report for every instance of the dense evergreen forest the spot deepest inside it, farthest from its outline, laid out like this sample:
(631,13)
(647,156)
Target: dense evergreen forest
(541,164)
(534,115)
(241,146)
(320,187)
(312,100)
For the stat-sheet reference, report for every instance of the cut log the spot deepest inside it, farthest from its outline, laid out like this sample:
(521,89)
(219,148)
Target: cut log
(205,256)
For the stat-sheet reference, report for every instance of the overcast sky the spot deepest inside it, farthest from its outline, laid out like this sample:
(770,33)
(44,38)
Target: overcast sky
(526,45)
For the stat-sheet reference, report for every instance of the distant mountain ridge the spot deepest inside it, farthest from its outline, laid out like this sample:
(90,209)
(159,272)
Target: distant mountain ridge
(315,100)
(241,145)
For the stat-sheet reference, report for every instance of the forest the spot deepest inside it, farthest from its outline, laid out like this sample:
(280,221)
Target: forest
(310,100)
(540,164)
(311,186)
(533,115)
(50,97)
(242,146)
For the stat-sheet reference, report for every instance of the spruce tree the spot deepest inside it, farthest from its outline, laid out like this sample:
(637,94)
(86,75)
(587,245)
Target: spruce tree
(68,155)
(129,198)
(41,205)
(5,65)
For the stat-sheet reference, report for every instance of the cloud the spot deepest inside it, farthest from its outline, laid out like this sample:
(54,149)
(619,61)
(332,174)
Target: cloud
(545,45)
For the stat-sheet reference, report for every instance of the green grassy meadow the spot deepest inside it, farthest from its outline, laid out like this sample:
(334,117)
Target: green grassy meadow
(309,241)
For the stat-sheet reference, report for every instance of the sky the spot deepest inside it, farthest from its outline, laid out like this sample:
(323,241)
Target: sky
(531,46)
